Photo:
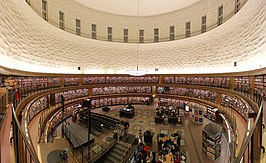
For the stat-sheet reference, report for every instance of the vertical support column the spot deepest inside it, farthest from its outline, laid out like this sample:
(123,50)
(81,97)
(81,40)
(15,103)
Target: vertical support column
(232,83)
(5,91)
(63,111)
(252,148)
(252,85)
(15,138)
(261,130)
(256,142)
(161,79)
(90,91)
(80,80)
(219,101)
(20,149)
(87,104)
(153,90)
(62,81)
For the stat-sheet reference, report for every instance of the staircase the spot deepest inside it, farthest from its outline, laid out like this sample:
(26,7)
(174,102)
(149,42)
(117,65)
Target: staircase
(116,153)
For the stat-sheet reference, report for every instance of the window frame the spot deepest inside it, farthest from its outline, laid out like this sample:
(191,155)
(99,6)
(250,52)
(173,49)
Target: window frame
(44,10)
(78,28)
(203,24)
(141,35)
(94,31)
(172,33)
(125,35)
(238,5)
(110,34)
(187,29)
(61,21)
(220,15)
(156,34)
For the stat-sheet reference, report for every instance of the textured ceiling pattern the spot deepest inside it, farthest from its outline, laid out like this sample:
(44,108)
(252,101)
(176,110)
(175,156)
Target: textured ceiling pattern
(29,43)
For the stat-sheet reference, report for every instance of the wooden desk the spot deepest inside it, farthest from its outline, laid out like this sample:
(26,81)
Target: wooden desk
(125,112)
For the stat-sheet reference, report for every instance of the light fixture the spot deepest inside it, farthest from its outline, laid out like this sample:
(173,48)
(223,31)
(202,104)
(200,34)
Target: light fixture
(137,72)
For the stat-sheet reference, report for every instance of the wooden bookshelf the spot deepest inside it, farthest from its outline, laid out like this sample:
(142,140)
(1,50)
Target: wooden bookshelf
(259,84)
(242,83)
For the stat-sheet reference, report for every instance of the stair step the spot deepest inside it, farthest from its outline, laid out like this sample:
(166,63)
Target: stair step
(122,145)
(119,148)
(111,159)
(114,155)
(117,151)
(108,161)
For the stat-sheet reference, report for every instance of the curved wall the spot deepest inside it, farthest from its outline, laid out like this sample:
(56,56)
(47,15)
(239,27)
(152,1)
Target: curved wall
(29,43)
(73,10)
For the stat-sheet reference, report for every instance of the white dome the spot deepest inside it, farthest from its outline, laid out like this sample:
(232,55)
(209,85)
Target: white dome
(29,43)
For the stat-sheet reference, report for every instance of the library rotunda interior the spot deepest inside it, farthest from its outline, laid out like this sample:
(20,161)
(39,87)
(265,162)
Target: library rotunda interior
(132,81)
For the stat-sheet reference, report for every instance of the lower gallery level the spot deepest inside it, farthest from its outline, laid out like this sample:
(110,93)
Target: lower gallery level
(190,144)
(156,118)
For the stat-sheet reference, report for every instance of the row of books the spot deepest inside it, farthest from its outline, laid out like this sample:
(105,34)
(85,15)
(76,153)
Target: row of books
(58,117)
(190,92)
(119,79)
(71,94)
(121,90)
(118,101)
(237,105)
(199,80)
(36,107)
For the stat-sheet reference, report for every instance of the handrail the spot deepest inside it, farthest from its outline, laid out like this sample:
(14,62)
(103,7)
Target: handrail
(124,154)
(248,139)
(29,146)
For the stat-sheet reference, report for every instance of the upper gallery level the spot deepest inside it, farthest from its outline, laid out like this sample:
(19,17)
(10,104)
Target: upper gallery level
(136,21)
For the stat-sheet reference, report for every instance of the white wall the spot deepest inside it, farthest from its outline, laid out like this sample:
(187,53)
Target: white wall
(73,10)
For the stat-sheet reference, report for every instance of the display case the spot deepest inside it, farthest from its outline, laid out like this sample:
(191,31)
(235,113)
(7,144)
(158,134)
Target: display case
(212,114)
(211,140)
(197,114)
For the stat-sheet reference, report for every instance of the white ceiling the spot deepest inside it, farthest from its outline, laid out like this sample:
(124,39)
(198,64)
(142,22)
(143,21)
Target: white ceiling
(130,7)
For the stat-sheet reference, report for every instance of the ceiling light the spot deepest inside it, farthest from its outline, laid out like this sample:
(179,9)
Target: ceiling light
(137,72)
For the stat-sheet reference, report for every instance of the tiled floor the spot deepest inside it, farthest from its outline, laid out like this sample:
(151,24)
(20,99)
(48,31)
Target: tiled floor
(187,136)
